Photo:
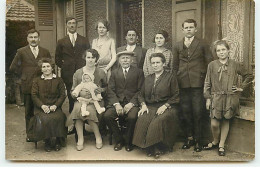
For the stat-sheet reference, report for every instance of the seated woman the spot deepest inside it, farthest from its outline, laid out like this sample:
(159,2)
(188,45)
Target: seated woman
(157,124)
(48,95)
(105,47)
(87,83)
(100,80)
(160,39)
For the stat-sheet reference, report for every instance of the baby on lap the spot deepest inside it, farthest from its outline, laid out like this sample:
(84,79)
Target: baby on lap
(88,84)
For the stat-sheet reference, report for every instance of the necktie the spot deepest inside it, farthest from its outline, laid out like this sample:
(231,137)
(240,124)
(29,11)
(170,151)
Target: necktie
(221,70)
(125,74)
(34,52)
(73,40)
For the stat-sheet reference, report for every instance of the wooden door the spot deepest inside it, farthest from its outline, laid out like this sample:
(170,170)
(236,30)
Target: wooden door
(45,23)
(182,10)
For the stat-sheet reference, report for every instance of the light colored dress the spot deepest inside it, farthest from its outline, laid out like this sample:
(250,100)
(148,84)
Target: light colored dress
(105,53)
(147,68)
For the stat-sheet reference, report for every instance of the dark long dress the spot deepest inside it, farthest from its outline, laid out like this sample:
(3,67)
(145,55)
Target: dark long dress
(101,81)
(47,92)
(150,128)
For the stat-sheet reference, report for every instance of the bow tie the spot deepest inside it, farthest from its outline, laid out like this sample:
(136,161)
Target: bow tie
(221,69)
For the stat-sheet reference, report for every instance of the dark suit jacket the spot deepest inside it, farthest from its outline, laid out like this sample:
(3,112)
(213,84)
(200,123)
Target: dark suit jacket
(26,64)
(139,55)
(70,58)
(120,88)
(191,63)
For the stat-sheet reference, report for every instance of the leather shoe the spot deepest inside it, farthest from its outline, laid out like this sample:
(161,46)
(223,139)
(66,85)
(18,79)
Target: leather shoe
(118,146)
(197,147)
(57,147)
(47,148)
(157,155)
(72,131)
(150,153)
(210,146)
(221,153)
(28,140)
(188,143)
(129,147)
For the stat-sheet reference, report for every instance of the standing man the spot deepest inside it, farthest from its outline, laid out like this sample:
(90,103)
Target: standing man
(190,60)
(131,40)
(69,55)
(25,63)
(123,89)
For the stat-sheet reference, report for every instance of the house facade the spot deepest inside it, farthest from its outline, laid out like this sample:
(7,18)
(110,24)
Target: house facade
(232,20)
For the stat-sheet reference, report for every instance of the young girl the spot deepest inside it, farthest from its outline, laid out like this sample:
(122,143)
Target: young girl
(87,83)
(222,93)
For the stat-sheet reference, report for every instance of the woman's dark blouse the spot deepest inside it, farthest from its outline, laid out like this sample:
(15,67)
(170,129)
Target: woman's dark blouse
(48,92)
(165,90)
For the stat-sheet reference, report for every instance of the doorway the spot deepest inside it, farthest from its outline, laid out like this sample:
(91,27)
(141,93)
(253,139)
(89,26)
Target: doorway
(130,18)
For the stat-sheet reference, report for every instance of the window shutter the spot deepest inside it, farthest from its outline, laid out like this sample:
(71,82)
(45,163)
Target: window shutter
(80,14)
(45,23)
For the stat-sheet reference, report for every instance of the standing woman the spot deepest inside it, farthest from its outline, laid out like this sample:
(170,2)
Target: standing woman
(157,124)
(160,38)
(222,94)
(105,47)
(100,79)
(48,95)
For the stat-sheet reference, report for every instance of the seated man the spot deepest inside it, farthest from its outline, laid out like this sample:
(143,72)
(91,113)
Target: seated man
(123,88)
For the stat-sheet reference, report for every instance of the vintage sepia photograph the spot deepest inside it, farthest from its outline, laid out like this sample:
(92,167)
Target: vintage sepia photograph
(130,81)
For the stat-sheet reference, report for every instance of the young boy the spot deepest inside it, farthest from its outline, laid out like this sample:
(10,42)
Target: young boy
(190,59)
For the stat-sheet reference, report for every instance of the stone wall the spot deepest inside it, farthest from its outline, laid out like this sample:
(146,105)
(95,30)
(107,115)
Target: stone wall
(95,10)
(157,15)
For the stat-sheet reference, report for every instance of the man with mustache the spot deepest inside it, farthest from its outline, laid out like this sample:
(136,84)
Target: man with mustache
(122,95)
(131,40)
(25,63)
(191,57)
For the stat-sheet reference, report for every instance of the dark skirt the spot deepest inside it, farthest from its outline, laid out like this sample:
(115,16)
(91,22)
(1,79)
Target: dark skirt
(76,112)
(43,126)
(151,129)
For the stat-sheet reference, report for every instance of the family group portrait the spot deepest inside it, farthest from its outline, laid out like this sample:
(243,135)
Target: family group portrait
(130,81)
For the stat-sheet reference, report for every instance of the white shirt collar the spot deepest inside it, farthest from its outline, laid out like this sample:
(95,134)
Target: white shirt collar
(127,69)
(189,39)
(53,76)
(70,35)
(36,47)
(130,47)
